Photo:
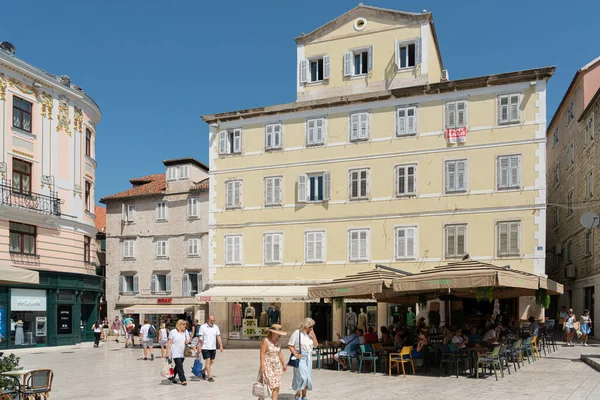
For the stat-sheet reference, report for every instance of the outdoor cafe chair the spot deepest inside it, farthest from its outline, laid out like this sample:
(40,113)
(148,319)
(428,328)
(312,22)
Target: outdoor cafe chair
(38,383)
(450,359)
(504,358)
(317,355)
(405,356)
(513,353)
(534,348)
(366,354)
(526,350)
(492,361)
(352,350)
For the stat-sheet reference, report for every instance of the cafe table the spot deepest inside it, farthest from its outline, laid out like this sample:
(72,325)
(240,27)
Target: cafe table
(18,375)
(326,352)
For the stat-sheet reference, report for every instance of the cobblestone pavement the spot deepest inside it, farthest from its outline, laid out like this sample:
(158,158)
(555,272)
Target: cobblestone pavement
(113,372)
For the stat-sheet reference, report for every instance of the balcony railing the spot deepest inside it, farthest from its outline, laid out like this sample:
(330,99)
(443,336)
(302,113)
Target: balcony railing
(30,201)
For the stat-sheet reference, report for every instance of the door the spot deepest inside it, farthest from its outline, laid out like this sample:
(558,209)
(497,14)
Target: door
(589,302)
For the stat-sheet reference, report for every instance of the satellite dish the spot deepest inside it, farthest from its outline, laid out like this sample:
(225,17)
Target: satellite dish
(590,220)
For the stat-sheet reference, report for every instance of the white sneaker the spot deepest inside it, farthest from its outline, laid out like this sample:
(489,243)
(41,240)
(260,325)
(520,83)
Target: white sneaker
(585,344)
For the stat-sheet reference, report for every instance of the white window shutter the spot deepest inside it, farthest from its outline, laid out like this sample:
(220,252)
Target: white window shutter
(514,108)
(354,126)
(267,248)
(136,284)
(411,120)
(279,242)
(168,285)
(514,238)
(370,59)
(158,211)
(200,283)
(237,140)
(450,115)
(461,175)
(238,249)
(450,176)
(401,122)
(348,63)
(303,71)
(223,142)
(461,240)
(353,245)
(502,172)
(363,240)
(122,284)
(237,194)
(308,246)
(326,66)
(410,242)
(364,126)
(277,136)
(400,243)
(276,190)
(418,50)
(185,285)
(503,238)
(268,136)
(123,212)
(229,195)
(310,131)
(327,186)
(397,54)
(515,171)
(153,283)
(269,191)
(319,131)
(302,188)
(461,113)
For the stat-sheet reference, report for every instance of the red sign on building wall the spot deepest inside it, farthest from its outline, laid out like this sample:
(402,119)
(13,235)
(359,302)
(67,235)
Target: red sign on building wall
(456,135)
(164,300)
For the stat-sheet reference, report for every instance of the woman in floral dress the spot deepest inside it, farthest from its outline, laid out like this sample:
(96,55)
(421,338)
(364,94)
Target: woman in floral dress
(271,360)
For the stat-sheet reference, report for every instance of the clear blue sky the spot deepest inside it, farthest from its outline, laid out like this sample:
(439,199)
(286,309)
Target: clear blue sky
(155,67)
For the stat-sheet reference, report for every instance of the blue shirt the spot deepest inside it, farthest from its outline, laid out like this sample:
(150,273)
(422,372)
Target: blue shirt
(350,340)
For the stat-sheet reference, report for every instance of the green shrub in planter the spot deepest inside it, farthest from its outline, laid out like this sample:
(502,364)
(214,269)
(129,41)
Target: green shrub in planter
(8,363)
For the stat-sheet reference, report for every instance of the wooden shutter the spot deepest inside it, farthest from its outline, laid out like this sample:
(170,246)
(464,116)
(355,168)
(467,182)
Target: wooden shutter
(237,194)
(400,243)
(410,242)
(347,63)
(363,132)
(461,232)
(310,131)
(136,284)
(503,238)
(319,130)
(410,179)
(309,246)
(168,284)
(278,248)
(319,246)
(302,188)
(238,244)
(401,122)
(363,241)
(461,113)
(418,50)
(228,249)
(223,142)
(503,172)
(411,126)
(514,108)
(397,54)
(353,241)
(122,284)
(153,283)
(514,237)
(268,191)
(370,59)
(354,126)
(515,171)
(277,136)
(268,136)
(451,114)
(326,66)
(268,248)
(461,175)
(327,186)
(228,194)
(502,109)
(450,176)
(185,285)
(303,71)
(276,190)
(450,240)
(237,140)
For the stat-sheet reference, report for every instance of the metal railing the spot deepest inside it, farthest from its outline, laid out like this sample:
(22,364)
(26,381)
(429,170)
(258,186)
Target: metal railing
(31,201)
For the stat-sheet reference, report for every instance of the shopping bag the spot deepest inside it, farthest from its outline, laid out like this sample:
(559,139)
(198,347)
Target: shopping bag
(260,388)
(197,367)
(167,370)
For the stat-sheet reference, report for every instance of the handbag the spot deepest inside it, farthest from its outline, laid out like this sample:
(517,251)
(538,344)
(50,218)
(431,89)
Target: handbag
(295,362)
(260,388)
(167,370)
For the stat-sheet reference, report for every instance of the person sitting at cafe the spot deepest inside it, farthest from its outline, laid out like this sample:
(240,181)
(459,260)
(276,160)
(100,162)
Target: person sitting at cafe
(347,342)
(421,342)
(534,326)
(474,336)
(421,325)
(459,340)
(386,338)
(402,338)
(447,333)
(392,330)
(371,336)
(491,335)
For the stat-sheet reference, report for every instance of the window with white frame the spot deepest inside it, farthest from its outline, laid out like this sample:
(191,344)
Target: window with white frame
(273,248)
(556,174)
(184,172)
(456,240)
(359,126)
(589,129)
(172,173)
(358,184)
(570,202)
(509,108)
(128,212)
(408,54)
(589,242)
(160,283)
(509,238)
(129,248)
(406,242)
(456,176)
(161,211)
(456,114)
(230,141)
(555,138)
(162,248)
(571,113)
(358,62)
(315,69)
(193,247)
(233,194)
(314,187)
(233,249)
(406,182)
(315,131)
(509,172)
(569,252)
(314,246)
(191,283)
(129,284)
(273,136)
(406,121)
(589,184)
(193,207)
(358,245)
(273,190)
(571,155)
(556,214)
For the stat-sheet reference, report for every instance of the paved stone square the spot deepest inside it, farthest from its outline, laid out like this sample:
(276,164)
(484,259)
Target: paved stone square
(115,373)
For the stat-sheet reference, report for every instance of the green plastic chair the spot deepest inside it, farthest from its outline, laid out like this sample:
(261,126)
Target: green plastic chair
(366,354)
(491,360)
(351,350)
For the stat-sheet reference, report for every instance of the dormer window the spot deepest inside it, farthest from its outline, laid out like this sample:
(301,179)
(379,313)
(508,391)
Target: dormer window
(172,173)
(408,54)
(314,70)
(184,172)
(358,62)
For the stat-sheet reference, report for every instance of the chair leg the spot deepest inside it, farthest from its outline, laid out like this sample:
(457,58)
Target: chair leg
(495,371)
(360,366)
(403,369)
(413,366)
(374,367)
(390,368)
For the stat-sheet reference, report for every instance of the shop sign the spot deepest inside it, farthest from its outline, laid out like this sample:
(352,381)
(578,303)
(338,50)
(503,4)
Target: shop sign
(65,319)
(234,335)
(27,300)
(205,298)
(2,322)
(164,300)
(250,327)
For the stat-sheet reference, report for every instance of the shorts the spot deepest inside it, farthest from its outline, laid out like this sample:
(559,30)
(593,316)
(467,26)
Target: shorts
(117,332)
(163,342)
(105,330)
(129,335)
(206,354)
(147,344)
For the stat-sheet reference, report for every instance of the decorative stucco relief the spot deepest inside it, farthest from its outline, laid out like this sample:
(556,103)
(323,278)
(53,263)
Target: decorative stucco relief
(3,84)
(47,105)
(23,87)
(63,115)
(77,119)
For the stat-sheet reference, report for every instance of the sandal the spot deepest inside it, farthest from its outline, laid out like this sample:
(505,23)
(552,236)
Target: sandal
(184,383)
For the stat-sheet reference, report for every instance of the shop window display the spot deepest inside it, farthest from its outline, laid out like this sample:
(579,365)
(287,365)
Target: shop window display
(251,320)
(360,315)
(28,317)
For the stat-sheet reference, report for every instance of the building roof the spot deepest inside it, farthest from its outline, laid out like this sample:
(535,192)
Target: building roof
(151,185)
(427,89)
(100,213)
(187,160)
(200,186)
(590,105)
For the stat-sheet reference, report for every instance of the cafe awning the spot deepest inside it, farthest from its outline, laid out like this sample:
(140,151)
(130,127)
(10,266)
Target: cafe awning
(362,285)
(12,275)
(157,309)
(268,294)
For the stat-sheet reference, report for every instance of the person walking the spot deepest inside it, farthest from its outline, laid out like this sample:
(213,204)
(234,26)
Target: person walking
(210,335)
(178,339)
(271,360)
(105,329)
(195,334)
(570,326)
(147,333)
(585,326)
(129,333)
(163,340)
(97,328)
(301,344)
(117,325)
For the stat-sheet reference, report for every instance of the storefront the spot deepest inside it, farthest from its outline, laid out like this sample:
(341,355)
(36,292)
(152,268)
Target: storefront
(60,310)
(162,312)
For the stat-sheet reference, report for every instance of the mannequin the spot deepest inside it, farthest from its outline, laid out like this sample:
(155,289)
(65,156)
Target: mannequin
(362,320)
(263,320)
(410,318)
(351,321)
(19,336)
(237,316)
(274,315)
(250,312)
(395,318)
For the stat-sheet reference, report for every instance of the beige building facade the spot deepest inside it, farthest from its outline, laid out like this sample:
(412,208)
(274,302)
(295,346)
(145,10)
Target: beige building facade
(157,244)
(383,160)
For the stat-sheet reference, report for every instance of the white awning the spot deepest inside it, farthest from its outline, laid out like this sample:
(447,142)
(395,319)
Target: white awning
(256,294)
(9,275)
(157,309)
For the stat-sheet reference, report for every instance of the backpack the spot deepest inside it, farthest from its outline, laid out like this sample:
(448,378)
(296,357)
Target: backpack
(151,332)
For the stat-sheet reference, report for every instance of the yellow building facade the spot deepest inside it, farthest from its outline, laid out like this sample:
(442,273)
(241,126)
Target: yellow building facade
(382,160)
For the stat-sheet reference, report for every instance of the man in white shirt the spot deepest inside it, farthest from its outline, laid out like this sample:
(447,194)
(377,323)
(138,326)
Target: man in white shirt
(490,336)
(147,342)
(210,335)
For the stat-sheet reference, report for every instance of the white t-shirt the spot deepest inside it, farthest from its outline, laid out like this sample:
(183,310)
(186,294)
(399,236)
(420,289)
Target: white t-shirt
(144,331)
(178,343)
(489,335)
(209,334)
(570,321)
(306,341)
(458,341)
(98,329)
(164,335)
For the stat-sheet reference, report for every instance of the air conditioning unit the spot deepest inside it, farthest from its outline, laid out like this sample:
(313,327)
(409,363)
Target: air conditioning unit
(570,271)
(558,249)
(445,75)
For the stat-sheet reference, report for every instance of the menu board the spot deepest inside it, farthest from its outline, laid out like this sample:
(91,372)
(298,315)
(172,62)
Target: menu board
(65,320)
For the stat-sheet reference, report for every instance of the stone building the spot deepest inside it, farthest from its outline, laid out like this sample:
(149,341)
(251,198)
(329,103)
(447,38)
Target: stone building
(157,244)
